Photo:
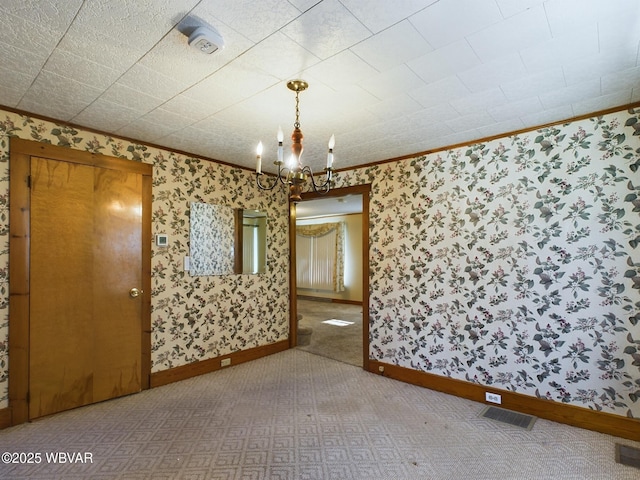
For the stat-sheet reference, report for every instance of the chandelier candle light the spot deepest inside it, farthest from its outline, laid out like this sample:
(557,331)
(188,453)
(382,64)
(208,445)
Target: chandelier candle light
(294,173)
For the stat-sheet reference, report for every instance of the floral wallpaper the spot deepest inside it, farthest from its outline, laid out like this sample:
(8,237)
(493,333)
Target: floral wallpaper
(211,239)
(193,318)
(514,263)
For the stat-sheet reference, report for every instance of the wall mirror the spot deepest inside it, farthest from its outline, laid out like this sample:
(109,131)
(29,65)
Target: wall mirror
(225,240)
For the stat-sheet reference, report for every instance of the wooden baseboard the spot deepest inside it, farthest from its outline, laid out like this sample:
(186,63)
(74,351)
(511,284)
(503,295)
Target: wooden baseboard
(211,365)
(602,422)
(5,418)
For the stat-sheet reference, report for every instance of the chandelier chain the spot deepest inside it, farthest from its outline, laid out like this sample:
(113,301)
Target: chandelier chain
(297,122)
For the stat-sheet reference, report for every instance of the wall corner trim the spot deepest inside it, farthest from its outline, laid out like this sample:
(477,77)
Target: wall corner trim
(183,372)
(586,418)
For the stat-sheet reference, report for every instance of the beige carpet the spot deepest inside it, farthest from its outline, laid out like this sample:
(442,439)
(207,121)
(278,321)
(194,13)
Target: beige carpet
(343,343)
(294,415)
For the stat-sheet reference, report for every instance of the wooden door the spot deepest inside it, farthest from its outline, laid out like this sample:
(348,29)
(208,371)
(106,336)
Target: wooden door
(86,254)
(61,306)
(87,260)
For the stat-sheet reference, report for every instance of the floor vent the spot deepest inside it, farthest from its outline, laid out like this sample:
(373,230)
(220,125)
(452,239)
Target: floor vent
(507,416)
(629,456)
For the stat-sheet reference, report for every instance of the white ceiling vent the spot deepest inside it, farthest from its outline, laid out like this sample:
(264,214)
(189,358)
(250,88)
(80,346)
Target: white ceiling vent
(207,40)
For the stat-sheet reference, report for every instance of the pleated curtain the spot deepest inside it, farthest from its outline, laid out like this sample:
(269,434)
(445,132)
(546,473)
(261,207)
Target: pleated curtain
(320,256)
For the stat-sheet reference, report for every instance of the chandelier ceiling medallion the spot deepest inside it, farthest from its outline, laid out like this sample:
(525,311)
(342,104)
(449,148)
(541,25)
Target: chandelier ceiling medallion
(294,174)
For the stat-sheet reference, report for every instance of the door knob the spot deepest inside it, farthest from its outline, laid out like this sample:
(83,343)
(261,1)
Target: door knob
(134,292)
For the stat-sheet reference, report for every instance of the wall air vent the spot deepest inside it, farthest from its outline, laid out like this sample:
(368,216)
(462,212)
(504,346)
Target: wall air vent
(627,455)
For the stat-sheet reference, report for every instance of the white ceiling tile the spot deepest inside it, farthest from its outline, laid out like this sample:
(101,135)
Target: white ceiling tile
(132,58)
(570,94)
(513,7)
(233,117)
(145,131)
(14,78)
(388,12)
(163,116)
(188,134)
(22,61)
(425,133)
(131,98)
(460,137)
(140,25)
(279,56)
(58,97)
(501,128)
(547,116)
(598,65)
(106,116)
(493,73)
(516,109)
(620,80)
(394,107)
(238,80)
(211,124)
(326,29)
(141,78)
(445,61)
(55,15)
(508,36)
(345,100)
(530,85)
(562,14)
(439,92)
(621,32)
(303,5)
(432,116)
(10,96)
(83,70)
(603,102)
(39,39)
(446,22)
(187,107)
(214,92)
(580,41)
(254,20)
(106,50)
(345,68)
(479,102)
(393,46)
(392,82)
(470,122)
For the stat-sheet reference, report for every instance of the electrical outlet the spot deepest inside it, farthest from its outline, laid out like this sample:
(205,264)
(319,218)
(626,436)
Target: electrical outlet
(225,362)
(493,397)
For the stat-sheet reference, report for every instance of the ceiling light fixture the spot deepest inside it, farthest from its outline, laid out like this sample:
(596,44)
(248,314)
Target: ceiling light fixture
(294,174)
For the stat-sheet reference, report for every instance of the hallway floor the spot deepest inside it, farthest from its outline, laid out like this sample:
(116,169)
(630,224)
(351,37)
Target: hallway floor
(342,343)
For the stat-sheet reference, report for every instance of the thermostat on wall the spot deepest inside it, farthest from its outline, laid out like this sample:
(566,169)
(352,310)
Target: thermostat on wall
(162,240)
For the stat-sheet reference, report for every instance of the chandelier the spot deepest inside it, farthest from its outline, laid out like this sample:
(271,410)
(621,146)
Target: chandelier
(294,174)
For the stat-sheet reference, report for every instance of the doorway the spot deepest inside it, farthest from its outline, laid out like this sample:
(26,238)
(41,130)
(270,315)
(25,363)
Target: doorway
(79,278)
(331,339)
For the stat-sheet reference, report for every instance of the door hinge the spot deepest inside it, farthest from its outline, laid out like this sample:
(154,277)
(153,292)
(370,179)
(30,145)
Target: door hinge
(28,181)
(28,397)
